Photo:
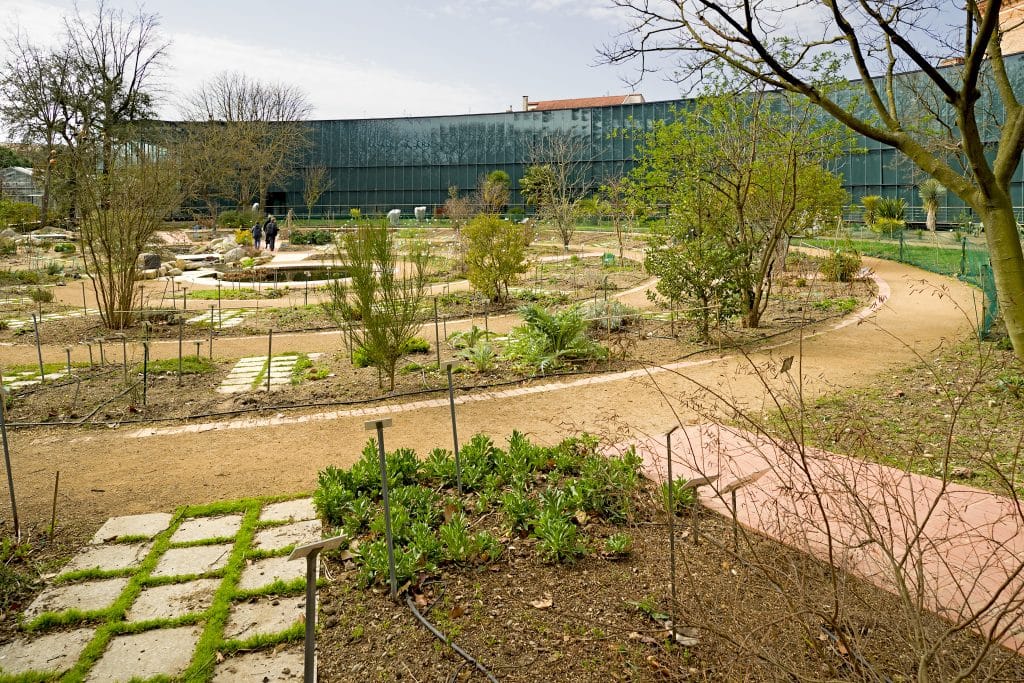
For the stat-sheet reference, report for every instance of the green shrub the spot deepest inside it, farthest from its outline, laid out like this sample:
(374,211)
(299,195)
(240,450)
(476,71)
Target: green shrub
(244,237)
(8,247)
(840,266)
(355,214)
(610,315)
(15,213)
(64,248)
(40,295)
(416,345)
(54,268)
(549,340)
(683,496)
(842,305)
(557,538)
(482,356)
(618,545)
(237,220)
(317,237)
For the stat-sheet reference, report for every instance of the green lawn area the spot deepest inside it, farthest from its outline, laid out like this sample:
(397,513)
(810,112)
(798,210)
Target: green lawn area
(948,260)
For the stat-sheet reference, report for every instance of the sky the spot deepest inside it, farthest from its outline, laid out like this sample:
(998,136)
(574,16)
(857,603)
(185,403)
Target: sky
(380,58)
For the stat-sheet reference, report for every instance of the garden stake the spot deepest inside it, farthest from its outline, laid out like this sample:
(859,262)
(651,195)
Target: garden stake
(305,295)
(671,526)
(124,357)
(311,551)
(197,343)
(270,357)
(103,357)
(379,425)
(181,327)
(145,370)
(184,298)
(735,525)
(211,336)
(39,349)
(67,350)
(695,523)
(90,353)
(7,461)
(53,509)
(85,302)
(487,314)
(437,335)
(455,431)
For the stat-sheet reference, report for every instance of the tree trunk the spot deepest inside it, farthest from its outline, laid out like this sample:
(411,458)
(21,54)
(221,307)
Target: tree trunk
(1007,267)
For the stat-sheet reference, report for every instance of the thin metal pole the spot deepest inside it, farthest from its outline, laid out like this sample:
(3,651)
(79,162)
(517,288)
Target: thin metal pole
(53,509)
(103,357)
(89,346)
(85,302)
(437,335)
(211,336)
(39,349)
(181,331)
(309,656)
(455,431)
(124,357)
(671,525)
(387,510)
(197,343)
(736,522)
(67,350)
(270,357)
(145,370)
(7,462)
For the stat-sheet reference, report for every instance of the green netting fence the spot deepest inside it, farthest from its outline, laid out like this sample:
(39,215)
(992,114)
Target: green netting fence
(948,253)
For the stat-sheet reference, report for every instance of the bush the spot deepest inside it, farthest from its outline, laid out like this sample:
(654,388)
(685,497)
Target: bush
(8,247)
(40,295)
(840,266)
(13,213)
(237,220)
(549,340)
(355,214)
(610,315)
(317,237)
(244,237)
(64,248)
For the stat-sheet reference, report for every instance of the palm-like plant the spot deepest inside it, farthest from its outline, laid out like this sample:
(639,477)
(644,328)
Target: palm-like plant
(931,192)
(547,340)
(870,203)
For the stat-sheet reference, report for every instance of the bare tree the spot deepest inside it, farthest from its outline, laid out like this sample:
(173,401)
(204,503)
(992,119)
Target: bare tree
(122,206)
(315,181)
(962,125)
(263,122)
(562,179)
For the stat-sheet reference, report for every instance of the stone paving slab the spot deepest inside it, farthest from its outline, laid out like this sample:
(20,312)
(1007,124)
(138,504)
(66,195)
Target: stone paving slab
(196,560)
(261,666)
(264,617)
(296,533)
(132,525)
(87,596)
(173,600)
(266,571)
(289,511)
(203,528)
(108,558)
(51,653)
(160,652)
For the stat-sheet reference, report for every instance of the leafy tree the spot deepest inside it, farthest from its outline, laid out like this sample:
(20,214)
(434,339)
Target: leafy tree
(746,171)
(614,199)
(961,125)
(495,254)
(870,204)
(382,299)
(931,192)
(556,182)
(890,215)
(8,157)
(493,193)
(537,184)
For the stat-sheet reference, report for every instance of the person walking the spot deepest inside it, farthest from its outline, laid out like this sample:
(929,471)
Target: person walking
(257,234)
(270,231)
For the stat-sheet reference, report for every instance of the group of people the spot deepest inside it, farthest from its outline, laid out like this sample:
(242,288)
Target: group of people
(267,230)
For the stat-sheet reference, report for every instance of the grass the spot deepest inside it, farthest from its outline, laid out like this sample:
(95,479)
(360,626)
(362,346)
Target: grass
(190,365)
(228,293)
(939,259)
(110,622)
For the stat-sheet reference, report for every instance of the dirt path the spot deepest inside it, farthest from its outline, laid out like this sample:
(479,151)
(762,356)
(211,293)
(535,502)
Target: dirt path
(106,472)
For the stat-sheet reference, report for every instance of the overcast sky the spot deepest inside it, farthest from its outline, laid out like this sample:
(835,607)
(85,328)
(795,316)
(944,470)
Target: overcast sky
(370,58)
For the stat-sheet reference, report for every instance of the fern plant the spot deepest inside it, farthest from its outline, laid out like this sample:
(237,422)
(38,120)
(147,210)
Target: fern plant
(547,340)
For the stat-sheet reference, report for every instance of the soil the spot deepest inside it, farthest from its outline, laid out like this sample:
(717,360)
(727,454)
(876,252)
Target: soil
(108,472)
(742,609)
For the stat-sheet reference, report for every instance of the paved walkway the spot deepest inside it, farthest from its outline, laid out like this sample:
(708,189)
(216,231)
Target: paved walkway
(958,550)
(171,595)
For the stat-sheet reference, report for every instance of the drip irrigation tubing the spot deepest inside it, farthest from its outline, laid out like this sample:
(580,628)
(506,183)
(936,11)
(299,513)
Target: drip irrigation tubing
(356,402)
(444,639)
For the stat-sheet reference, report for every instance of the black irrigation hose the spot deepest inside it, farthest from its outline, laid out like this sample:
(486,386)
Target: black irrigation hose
(444,639)
(408,394)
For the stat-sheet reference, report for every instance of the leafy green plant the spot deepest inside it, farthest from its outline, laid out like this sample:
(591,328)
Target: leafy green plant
(610,315)
(840,266)
(870,204)
(244,237)
(840,305)
(618,545)
(683,496)
(482,356)
(557,538)
(64,248)
(548,340)
(315,237)
(40,295)
(237,220)
(468,338)
(355,214)
(518,508)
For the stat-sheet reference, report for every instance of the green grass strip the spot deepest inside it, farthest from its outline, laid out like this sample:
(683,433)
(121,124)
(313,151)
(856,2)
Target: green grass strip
(293,633)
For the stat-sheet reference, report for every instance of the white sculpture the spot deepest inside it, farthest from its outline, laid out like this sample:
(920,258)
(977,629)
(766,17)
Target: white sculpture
(393,216)
(420,212)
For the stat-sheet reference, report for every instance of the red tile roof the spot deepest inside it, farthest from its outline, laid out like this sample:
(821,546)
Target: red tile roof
(582,102)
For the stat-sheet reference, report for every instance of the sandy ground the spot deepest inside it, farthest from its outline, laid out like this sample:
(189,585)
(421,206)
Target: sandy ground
(107,472)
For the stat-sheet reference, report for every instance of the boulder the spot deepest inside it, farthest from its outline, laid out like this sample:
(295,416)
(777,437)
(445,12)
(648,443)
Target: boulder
(148,274)
(149,261)
(236,254)
(174,272)
(8,234)
(420,213)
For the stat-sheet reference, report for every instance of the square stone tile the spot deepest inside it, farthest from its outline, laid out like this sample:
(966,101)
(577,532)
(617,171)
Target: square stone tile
(52,653)
(132,525)
(202,528)
(265,572)
(289,511)
(265,616)
(190,561)
(108,557)
(296,533)
(173,600)
(159,652)
(264,665)
(87,596)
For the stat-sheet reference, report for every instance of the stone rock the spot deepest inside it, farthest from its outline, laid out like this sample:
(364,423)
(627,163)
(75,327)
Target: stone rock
(289,511)
(174,272)
(193,561)
(53,652)
(148,525)
(173,600)
(88,596)
(148,274)
(236,254)
(264,617)
(159,652)
(204,528)
(420,212)
(108,558)
(149,261)
(262,665)
(8,234)
(294,534)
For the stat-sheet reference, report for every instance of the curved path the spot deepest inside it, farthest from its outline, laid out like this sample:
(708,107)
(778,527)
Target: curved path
(110,472)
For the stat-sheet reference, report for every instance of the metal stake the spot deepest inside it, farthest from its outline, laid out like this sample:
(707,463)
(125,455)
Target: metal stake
(437,335)
(379,425)
(145,370)
(455,431)
(103,357)
(124,357)
(39,349)
(85,302)
(671,525)
(67,350)
(7,461)
(181,329)
(211,336)
(270,357)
